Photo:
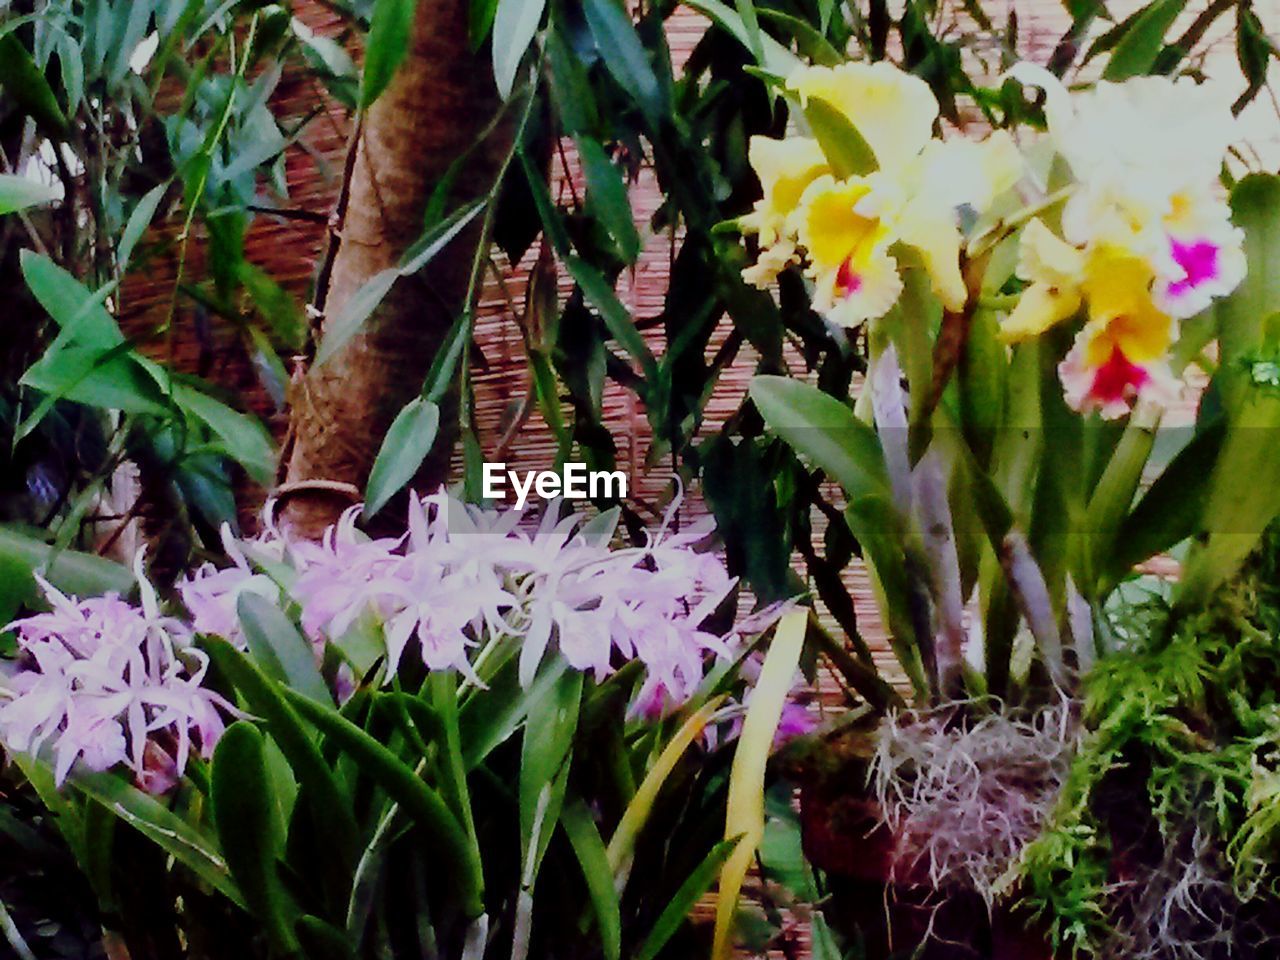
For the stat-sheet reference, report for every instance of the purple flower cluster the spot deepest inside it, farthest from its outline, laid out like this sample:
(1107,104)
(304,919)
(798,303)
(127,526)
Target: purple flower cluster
(109,682)
(463,575)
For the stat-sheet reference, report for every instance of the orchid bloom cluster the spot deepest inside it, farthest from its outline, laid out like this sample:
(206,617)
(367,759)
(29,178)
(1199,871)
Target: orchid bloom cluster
(844,229)
(463,574)
(1146,239)
(108,682)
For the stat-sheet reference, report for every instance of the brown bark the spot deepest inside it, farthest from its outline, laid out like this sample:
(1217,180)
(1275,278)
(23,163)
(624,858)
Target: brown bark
(436,107)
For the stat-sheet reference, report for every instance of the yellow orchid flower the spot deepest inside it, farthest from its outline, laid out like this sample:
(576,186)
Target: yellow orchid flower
(1055,270)
(948,175)
(847,242)
(785,168)
(894,111)
(1146,154)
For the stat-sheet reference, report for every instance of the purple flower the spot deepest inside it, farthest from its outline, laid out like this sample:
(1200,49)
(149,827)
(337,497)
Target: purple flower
(105,682)
(464,576)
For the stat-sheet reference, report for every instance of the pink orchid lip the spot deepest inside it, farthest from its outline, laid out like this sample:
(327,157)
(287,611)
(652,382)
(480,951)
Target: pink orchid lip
(847,282)
(1199,262)
(1117,379)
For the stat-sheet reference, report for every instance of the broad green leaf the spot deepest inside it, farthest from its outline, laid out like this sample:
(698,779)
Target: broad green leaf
(78,312)
(1169,512)
(108,379)
(323,941)
(777,58)
(139,220)
(243,437)
(686,897)
(80,574)
(607,196)
(250,831)
(844,147)
(276,645)
(1113,496)
(1142,42)
(1255,208)
(18,193)
(440,828)
(625,57)
(623,842)
(162,826)
(390,32)
(617,319)
(544,768)
(488,722)
(351,318)
(406,445)
(26,84)
(589,849)
(296,742)
(825,431)
(453,768)
(744,816)
(810,42)
(515,23)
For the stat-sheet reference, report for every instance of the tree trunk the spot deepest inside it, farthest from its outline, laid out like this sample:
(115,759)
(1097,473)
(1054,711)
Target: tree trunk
(436,107)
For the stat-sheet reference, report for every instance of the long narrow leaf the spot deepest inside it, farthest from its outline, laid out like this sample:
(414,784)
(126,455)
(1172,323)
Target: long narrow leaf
(745,815)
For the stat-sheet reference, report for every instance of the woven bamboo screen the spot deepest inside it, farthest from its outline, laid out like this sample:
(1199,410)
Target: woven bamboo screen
(509,426)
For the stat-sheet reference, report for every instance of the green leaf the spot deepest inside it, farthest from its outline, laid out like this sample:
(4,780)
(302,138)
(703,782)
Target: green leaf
(26,84)
(364,301)
(406,445)
(139,220)
(488,722)
(589,849)
(544,767)
(160,825)
(514,25)
(1169,512)
(685,899)
(80,574)
(72,307)
(777,58)
(744,816)
(263,696)
(243,437)
(625,57)
(109,379)
(617,319)
(622,844)
(825,431)
(18,193)
(323,941)
(845,149)
(810,42)
(607,196)
(440,828)
(1138,48)
(275,643)
(390,30)
(1255,208)
(250,832)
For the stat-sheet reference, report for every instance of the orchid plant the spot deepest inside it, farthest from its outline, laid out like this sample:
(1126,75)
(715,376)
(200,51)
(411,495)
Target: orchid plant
(1031,306)
(484,708)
